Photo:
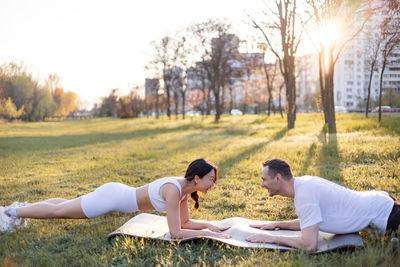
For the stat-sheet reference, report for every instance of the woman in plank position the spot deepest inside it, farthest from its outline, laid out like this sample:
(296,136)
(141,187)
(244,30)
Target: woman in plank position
(166,194)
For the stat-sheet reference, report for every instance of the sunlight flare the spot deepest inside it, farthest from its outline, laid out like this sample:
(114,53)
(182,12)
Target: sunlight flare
(328,35)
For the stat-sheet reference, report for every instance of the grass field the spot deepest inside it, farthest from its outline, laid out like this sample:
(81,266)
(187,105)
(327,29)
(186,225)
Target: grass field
(71,158)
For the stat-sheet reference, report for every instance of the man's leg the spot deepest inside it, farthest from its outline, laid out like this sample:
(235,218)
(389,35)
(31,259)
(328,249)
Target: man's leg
(394,218)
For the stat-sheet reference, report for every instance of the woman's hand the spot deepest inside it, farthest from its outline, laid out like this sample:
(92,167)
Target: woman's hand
(217,229)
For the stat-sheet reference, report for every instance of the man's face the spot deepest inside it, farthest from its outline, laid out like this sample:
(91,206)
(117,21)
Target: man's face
(269,183)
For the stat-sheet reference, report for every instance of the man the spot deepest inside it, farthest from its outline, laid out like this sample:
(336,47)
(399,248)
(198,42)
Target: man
(323,205)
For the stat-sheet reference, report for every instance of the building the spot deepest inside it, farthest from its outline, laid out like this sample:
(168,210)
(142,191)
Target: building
(307,81)
(352,71)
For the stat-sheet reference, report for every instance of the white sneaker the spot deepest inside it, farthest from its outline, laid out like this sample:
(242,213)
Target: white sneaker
(6,221)
(20,222)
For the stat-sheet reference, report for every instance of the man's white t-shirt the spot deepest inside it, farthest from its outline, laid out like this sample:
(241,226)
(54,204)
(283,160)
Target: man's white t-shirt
(338,209)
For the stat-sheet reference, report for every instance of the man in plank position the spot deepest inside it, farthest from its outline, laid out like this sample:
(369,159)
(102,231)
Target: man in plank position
(323,205)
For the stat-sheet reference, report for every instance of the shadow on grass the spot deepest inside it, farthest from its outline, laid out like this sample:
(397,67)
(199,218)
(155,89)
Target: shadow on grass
(245,154)
(329,160)
(310,155)
(43,143)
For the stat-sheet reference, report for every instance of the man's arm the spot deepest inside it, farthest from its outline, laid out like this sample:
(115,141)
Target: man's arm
(308,240)
(287,225)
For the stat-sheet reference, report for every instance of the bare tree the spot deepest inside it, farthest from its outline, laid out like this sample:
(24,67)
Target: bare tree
(174,82)
(286,23)
(270,71)
(219,47)
(390,31)
(164,59)
(185,57)
(375,41)
(53,82)
(347,18)
(199,80)
(152,96)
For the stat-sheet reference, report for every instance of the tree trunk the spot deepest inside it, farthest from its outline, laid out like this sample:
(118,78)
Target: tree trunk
(231,96)
(157,105)
(322,85)
(330,100)
(369,87)
(217,104)
(280,100)
(183,93)
(290,95)
(381,89)
(168,103)
(269,104)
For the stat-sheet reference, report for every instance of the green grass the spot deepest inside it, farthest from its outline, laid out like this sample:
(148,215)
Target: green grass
(71,158)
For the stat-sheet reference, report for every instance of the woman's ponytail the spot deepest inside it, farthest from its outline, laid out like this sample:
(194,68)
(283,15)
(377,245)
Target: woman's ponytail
(195,198)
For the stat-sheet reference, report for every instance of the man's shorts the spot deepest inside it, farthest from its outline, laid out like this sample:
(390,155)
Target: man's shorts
(394,217)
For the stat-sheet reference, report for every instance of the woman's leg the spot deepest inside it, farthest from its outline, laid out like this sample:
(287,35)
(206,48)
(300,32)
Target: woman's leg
(54,200)
(53,208)
(51,200)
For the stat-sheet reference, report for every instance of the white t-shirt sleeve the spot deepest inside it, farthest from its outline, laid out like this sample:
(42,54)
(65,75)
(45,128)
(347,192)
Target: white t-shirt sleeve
(309,214)
(307,205)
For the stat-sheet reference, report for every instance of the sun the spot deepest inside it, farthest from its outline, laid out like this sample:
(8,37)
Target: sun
(328,36)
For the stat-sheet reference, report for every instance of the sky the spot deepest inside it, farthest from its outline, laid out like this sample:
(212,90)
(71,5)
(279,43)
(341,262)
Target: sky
(98,45)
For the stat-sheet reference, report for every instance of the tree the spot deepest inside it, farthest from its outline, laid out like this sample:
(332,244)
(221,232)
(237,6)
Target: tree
(164,59)
(198,77)
(53,82)
(373,48)
(338,22)
(8,110)
(391,39)
(43,105)
(185,61)
(175,83)
(270,72)
(109,104)
(389,98)
(152,96)
(130,106)
(219,47)
(286,23)
(66,102)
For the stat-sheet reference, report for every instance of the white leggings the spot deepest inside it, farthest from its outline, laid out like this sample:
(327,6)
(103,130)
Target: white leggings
(109,197)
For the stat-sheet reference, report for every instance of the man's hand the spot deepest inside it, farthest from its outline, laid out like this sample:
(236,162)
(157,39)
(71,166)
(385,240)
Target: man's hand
(219,235)
(260,238)
(266,226)
(217,229)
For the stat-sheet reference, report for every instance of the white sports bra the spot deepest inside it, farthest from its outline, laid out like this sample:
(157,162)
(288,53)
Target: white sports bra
(154,191)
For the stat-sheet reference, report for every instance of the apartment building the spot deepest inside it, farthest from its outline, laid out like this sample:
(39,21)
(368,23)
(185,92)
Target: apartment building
(352,71)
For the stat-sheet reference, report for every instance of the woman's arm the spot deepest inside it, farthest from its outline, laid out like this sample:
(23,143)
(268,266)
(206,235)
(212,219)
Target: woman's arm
(172,198)
(186,223)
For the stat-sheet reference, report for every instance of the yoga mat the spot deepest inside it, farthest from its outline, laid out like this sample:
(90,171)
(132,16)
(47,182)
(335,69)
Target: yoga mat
(154,226)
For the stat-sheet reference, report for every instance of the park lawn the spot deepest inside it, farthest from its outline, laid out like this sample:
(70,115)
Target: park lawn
(70,158)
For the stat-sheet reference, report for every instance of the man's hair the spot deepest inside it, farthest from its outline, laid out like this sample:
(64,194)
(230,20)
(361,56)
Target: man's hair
(278,166)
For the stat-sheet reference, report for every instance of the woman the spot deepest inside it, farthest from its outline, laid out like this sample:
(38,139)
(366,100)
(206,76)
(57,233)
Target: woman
(166,194)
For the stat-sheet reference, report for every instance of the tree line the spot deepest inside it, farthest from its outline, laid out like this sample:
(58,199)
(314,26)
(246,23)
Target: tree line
(22,97)
(206,53)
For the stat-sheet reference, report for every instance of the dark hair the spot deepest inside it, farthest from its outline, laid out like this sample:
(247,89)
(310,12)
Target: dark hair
(199,167)
(278,166)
